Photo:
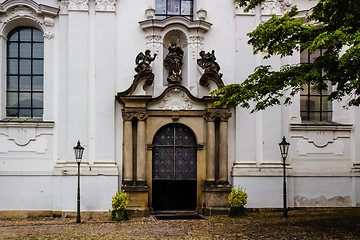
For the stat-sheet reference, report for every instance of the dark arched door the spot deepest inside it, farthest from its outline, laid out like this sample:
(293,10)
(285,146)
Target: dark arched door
(174,168)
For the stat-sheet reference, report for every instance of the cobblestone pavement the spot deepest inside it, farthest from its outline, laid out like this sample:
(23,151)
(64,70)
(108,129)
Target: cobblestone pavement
(301,224)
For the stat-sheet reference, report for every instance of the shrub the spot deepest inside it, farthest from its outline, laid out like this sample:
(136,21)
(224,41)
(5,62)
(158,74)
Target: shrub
(237,201)
(118,203)
(237,198)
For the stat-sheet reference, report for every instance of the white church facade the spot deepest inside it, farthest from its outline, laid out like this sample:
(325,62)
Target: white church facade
(80,70)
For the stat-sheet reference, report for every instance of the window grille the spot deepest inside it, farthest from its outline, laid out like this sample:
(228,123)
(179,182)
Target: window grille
(314,105)
(169,8)
(25,73)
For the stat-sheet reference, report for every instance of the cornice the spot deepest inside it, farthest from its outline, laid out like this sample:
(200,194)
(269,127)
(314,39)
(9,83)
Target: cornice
(162,24)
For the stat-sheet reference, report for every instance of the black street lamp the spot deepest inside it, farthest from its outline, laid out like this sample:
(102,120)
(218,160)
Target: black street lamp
(79,150)
(284,149)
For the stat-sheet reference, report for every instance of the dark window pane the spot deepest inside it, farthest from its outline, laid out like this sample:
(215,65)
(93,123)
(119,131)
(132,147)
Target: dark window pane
(12,112)
(38,83)
(38,36)
(13,36)
(326,104)
(12,49)
(326,116)
(12,99)
(38,50)
(173,7)
(37,112)
(12,83)
(186,7)
(37,100)
(25,66)
(314,116)
(25,100)
(314,103)
(24,92)
(160,6)
(25,50)
(304,103)
(304,116)
(25,83)
(25,34)
(25,113)
(38,67)
(12,66)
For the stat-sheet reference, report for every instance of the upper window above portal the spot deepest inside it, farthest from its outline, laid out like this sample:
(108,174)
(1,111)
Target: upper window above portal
(169,8)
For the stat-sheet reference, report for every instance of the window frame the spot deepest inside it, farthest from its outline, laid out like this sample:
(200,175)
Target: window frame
(32,75)
(161,16)
(310,95)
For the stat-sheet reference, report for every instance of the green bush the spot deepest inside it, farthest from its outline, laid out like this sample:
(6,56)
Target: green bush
(237,201)
(118,203)
(237,198)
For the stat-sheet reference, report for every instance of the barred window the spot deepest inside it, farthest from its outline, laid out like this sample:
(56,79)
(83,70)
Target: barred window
(168,8)
(314,105)
(25,73)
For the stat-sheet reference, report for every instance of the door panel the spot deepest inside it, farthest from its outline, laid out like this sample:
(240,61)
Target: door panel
(174,168)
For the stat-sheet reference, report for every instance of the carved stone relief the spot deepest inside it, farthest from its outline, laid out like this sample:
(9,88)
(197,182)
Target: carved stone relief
(269,7)
(22,140)
(304,147)
(23,12)
(105,5)
(176,100)
(22,136)
(64,6)
(240,10)
(277,7)
(196,44)
(78,5)
(154,43)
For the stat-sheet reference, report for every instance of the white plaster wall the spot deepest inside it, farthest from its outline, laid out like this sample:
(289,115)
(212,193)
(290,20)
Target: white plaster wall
(58,193)
(267,192)
(92,57)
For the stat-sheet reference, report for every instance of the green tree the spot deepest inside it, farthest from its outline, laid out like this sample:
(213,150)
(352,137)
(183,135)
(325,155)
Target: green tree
(332,25)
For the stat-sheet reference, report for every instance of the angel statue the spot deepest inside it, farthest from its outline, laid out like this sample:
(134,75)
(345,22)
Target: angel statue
(208,63)
(173,62)
(143,61)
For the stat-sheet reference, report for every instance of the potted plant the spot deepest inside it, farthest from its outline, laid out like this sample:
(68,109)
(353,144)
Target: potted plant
(118,203)
(237,201)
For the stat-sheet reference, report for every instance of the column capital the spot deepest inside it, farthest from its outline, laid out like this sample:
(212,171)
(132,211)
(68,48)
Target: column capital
(128,116)
(224,117)
(142,116)
(210,116)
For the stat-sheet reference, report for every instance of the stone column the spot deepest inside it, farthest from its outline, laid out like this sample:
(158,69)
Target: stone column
(128,148)
(223,147)
(210,146)
(141,151)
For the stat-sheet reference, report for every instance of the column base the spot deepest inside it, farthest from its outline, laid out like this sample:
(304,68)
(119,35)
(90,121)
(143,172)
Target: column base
(138,198)
(215,197)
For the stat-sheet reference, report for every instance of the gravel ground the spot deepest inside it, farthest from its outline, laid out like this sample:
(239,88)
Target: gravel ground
(301,224)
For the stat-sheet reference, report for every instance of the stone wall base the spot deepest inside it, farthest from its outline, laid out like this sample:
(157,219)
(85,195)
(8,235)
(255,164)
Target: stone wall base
(55,214)
(215,198)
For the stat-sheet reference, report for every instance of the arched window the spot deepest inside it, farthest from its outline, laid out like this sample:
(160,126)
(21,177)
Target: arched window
(169,8)
(25,73)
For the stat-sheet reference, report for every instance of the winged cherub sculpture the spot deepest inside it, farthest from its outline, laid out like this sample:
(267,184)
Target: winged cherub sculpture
(143,62)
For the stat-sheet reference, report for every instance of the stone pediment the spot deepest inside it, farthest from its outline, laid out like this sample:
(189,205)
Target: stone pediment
(173,98)
(176,98)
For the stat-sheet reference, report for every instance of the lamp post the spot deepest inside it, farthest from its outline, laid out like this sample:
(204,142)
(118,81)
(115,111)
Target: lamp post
(79,150)
(284,149)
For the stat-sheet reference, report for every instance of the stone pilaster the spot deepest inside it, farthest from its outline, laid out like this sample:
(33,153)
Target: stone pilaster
(141,159)
(210,146)
(128,147)
(223,147)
